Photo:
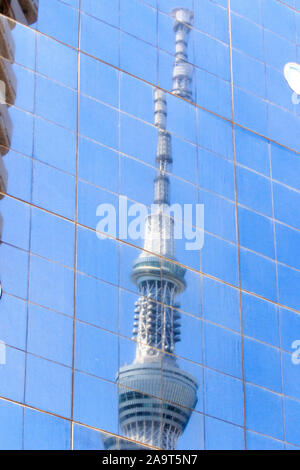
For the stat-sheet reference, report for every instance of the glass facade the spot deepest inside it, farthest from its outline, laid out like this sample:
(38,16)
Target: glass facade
(100,97)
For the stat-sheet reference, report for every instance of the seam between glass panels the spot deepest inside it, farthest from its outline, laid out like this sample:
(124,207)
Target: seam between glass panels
(75,230)
(237,230)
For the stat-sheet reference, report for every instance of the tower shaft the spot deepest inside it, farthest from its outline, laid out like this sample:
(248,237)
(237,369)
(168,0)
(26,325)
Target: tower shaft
(156,396)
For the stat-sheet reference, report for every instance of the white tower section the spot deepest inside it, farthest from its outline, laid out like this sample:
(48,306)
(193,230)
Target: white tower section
(183,71)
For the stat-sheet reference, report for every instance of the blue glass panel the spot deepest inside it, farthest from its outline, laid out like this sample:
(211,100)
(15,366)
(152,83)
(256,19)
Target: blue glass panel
(275,43)
(53,190)
(99,39)
(12,374)
(213,93)
(14,270)
(91,249)
(25,88)
(254,191)
(133,137)
(264,412)
(63,64)
(25,39)
(106,11)
(181,118)
(288,285)
(285,166)
(55,145)
(191,333)
(184,193)
(98,165)
(136,98)
(90,402)
(89,199)
(221,304)
(219,216)
(288,246)
(17,165)
(153,3)
(289,327)
(96,302)
(168,5)
(96,351)
(256,232)
(52,237)
(278,90)
(291,382)
(188,257)
(258,274)
(138,19)
(214,134)
(193,436)
(45,432)
(48,386)
(258,442)
(98,80)
(73,3)
(219,259)
(262,365)
(224,397)
(292,417)
(12,211)
(283,127)
(260,319)
(249,10)
(212,55)
(107,132)
(138,58)
(51,285)
(87,439)
(286,203)
(223,436)
(58,20)
(249,73)
(13,321)
(211,19)
(279,19)
(55,342)
(184,159)
(222,350)
(22,136)
(247,37)
(56,103)
(250,111)
(10,426)
(252,151)
(216,173)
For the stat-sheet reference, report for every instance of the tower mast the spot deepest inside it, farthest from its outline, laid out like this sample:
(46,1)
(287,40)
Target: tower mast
(156,397)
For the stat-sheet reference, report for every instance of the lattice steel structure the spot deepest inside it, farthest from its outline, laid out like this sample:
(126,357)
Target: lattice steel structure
(156,397)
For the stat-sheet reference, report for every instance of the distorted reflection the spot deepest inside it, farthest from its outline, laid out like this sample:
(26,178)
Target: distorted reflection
(156,397)
(25,12)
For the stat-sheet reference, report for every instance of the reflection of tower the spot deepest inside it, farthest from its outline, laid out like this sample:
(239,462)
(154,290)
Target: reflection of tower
(182,75)
(23,11)
(156,397)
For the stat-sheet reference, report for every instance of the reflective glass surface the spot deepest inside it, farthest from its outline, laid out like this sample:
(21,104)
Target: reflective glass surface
(114,335)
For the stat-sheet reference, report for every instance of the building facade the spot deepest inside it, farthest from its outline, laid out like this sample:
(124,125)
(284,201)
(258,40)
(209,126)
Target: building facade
(104,103)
